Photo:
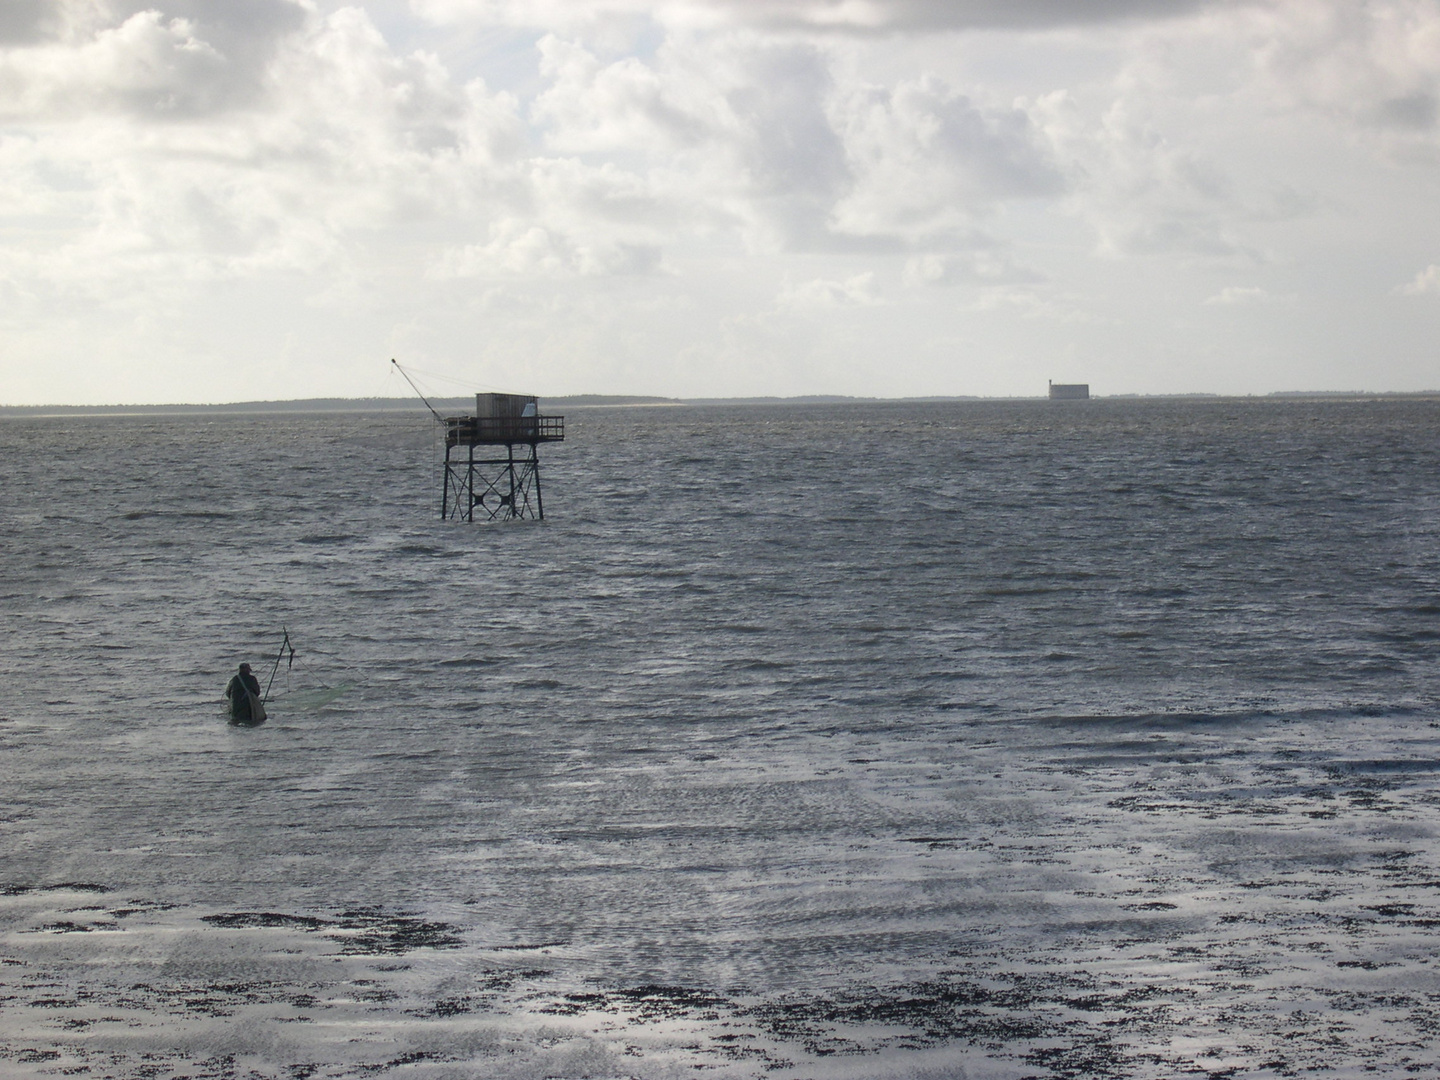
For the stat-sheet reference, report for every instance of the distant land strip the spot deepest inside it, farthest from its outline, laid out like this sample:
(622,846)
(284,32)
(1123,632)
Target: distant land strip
(458,406)
(444,406)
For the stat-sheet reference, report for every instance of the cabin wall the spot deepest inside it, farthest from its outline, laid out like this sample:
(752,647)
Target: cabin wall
(489,406)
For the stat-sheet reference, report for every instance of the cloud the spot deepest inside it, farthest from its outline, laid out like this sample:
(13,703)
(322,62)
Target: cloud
(520,249)
(1237,295)
(888,16)
(346,138)
(244,138)
(856,291)
(590,107)
(855,17)
(241,138)
(732,133)
(986,267)
(927,159)
(760,133)
(99,58)
(1425,283)
(1029,305)
(1145,192)
(148,64)
(1374,67)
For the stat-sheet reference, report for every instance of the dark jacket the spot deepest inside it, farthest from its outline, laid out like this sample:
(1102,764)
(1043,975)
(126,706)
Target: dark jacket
(243,689)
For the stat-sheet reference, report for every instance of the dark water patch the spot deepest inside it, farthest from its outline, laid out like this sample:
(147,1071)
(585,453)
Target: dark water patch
(1177,720)
(652,1003)
(1406,765)
(245,920)
(456,1006)
(1389,910)
(140,515)
(1424,634)
(32,1056)
(360,931)
(1063,1022)
(76,886)
(326,538)
(1366,965)
(378,933)
(935,843)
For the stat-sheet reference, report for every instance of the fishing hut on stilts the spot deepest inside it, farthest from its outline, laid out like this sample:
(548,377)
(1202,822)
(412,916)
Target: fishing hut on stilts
(479,483)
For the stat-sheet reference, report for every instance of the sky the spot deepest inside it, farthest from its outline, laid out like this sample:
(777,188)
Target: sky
(215,200)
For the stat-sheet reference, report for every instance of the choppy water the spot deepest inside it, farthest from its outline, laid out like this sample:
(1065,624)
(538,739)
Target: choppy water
(881,740)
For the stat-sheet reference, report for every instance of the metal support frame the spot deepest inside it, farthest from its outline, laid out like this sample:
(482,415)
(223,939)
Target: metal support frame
(492,488)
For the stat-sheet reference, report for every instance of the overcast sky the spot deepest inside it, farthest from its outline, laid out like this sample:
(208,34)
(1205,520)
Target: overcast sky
(217,200)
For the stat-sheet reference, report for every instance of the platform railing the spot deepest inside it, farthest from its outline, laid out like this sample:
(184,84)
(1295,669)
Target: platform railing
(476,430)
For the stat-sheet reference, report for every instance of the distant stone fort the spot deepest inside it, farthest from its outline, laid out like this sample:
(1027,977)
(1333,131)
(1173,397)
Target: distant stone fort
(1069,391)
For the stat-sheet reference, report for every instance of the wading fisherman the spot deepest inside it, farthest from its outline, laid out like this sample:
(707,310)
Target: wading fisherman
(244,695)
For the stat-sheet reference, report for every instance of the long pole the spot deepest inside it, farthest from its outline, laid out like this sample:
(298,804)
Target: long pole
(285,644)
(417,391)
(445,486)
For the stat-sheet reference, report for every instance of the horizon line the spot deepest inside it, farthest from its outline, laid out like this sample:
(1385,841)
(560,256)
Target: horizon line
(376,403)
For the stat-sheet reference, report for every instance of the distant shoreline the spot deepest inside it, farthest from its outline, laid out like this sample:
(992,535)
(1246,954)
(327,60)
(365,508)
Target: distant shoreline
(463,405)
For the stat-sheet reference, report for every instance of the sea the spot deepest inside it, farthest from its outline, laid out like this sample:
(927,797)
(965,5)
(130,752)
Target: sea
(912,740)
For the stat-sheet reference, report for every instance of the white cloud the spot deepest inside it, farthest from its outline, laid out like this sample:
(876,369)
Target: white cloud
(845,16)
(518,248)
(858,290)
(1030,305)
(759,132)
(1237,295)
(97,58)
(927,160)
(626,106)
(1144,192)
(347,138)
(984,267)
(148,64)
(1374,67)
(1425,283)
